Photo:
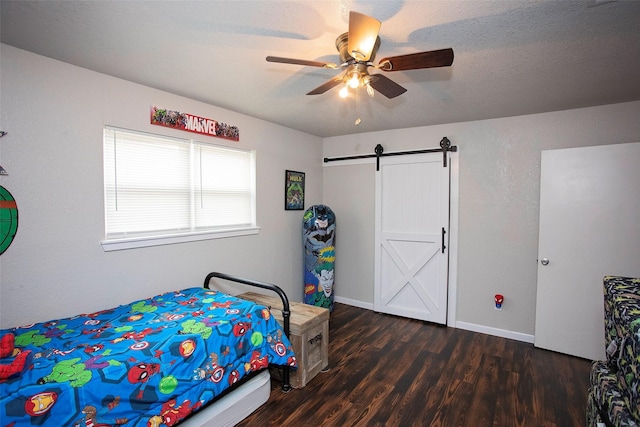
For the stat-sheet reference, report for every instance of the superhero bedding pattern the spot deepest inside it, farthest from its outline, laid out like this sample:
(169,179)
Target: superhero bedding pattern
(148,363)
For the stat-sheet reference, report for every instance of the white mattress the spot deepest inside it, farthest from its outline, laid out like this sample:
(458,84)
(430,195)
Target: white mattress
(235,406)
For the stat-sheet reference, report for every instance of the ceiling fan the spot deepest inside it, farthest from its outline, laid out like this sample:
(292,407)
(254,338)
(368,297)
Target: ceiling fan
(357,49)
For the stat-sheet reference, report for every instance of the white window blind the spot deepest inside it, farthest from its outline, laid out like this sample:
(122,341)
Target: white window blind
(161,186)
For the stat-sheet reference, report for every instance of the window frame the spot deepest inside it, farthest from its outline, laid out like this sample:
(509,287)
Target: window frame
(146,239)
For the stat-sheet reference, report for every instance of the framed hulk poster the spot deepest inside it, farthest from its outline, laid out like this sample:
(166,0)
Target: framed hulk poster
(293,191)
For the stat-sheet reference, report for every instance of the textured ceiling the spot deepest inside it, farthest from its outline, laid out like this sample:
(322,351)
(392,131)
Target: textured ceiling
(511,57)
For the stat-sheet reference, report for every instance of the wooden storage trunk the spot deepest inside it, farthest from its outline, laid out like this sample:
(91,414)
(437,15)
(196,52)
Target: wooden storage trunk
(309,335)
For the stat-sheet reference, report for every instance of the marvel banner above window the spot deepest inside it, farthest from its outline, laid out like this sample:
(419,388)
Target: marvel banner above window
(192,123)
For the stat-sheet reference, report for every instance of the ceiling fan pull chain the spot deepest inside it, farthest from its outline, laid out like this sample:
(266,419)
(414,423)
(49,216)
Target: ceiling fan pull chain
(358,120)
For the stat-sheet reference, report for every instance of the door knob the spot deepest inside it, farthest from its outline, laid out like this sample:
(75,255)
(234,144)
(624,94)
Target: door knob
(544,261)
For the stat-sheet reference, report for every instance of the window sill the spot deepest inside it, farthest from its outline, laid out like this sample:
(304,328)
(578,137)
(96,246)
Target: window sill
(147,241)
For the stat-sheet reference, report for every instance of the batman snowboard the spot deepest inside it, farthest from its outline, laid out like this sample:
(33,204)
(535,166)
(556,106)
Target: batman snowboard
(318,235)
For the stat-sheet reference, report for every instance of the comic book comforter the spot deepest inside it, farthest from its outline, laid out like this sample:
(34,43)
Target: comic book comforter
(148,363)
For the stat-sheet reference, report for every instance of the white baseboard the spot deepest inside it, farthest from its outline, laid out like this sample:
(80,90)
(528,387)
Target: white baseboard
(353,302)
(518,336)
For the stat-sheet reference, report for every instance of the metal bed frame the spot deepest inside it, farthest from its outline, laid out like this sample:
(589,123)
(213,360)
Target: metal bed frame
(286,313)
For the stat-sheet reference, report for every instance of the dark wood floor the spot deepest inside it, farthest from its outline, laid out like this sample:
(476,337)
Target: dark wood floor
(391,371)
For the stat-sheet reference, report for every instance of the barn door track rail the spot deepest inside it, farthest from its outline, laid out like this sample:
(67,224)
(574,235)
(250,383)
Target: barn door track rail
(445,145)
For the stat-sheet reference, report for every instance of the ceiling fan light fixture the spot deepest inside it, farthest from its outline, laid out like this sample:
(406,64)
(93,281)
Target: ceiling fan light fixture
(353,80)
(344,92)
(370,90)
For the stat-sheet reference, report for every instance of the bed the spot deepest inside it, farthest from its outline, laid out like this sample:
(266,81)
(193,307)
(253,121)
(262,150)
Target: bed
(196,356)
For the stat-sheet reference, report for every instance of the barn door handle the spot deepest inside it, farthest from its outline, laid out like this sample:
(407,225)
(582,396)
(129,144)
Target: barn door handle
(443,233)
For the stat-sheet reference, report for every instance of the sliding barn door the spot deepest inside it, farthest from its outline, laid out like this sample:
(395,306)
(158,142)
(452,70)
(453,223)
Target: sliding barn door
(412,221)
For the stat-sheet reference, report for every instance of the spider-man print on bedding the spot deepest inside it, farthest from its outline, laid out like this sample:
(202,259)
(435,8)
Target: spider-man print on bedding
(148,363)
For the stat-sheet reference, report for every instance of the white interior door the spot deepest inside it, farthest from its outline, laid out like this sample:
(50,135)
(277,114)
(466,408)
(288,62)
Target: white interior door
(589,228)
(412,222)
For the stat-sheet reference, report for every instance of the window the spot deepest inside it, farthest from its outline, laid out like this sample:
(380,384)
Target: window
(161,190)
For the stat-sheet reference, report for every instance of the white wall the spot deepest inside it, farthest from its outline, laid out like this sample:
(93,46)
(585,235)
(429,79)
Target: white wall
(499,173)
(349,192)
(54,114)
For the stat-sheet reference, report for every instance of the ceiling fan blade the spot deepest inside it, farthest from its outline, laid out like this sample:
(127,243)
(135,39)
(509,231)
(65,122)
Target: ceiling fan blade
(414,61)
(326,86)
(386,86)
(363,32)
(301,62)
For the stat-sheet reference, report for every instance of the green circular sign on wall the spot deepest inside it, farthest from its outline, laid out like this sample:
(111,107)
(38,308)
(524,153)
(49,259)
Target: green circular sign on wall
(8,219)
